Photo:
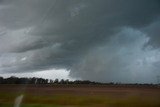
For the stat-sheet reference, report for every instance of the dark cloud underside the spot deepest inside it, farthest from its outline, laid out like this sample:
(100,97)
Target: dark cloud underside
(101,40)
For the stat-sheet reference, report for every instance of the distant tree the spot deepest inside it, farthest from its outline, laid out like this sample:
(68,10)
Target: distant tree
(67,81)
(62,81)
(56,81)
(51,81)
(1,80)
(24,80)
(46,81)
(12,80)
(33,80)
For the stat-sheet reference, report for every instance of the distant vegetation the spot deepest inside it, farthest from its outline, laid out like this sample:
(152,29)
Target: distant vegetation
(39,92)
(35,80)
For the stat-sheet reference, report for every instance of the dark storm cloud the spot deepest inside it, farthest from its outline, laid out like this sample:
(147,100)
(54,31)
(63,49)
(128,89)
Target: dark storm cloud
(153,31)
(81,36)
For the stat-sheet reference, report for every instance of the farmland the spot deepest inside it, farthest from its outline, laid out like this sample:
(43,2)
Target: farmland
(80,95)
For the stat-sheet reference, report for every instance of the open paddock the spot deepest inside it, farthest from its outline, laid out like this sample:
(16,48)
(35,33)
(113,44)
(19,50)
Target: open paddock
(80,95)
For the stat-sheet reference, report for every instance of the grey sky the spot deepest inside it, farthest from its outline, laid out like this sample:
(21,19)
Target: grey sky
(99,40)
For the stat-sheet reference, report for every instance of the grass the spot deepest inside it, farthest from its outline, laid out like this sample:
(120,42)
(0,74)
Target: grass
(77,101)
(107,99)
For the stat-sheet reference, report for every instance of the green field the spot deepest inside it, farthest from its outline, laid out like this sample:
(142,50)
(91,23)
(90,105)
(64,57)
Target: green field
(80,96)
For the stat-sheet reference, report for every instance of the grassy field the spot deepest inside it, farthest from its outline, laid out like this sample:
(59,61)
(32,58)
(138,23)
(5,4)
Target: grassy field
(80,96)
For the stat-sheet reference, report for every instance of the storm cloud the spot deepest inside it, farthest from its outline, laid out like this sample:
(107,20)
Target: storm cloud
(105,40)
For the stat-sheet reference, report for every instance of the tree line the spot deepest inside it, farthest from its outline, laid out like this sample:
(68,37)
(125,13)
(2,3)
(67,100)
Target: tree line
(35,80)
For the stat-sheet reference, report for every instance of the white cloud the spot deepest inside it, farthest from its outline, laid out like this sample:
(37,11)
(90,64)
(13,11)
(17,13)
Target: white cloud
(47,74)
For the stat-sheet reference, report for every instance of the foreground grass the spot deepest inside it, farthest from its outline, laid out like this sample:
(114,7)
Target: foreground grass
(107,99)
(77,101)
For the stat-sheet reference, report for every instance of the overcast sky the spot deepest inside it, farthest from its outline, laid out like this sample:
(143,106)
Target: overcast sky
(97,40)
